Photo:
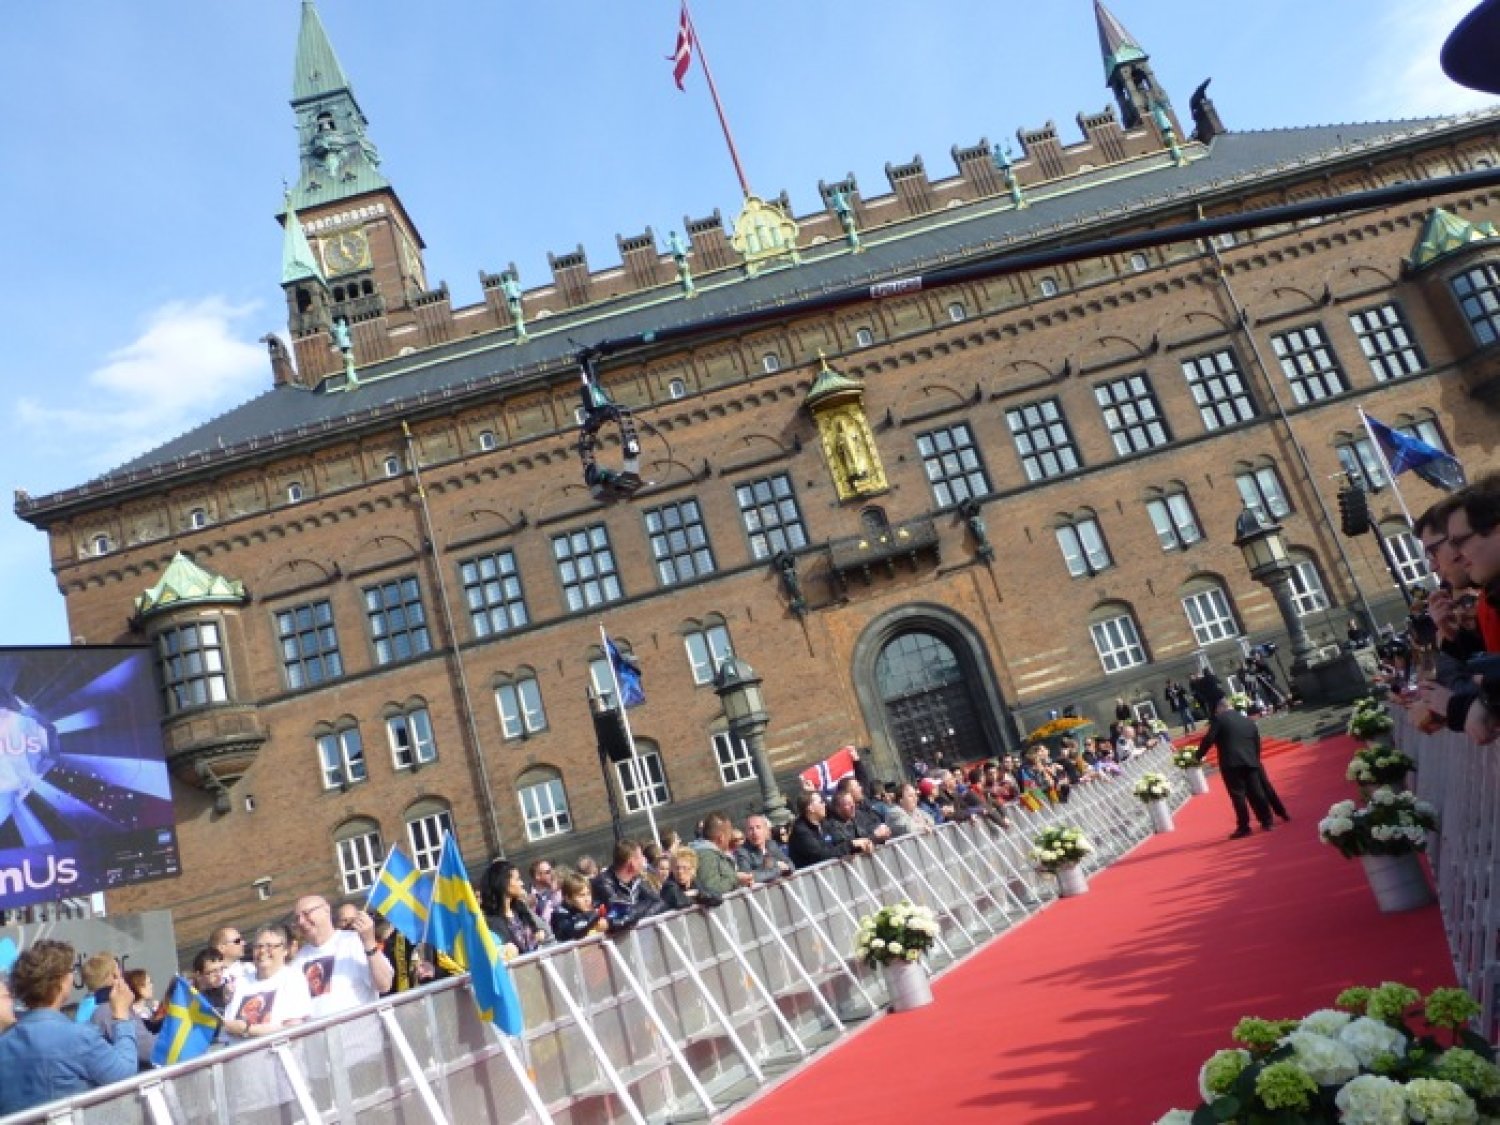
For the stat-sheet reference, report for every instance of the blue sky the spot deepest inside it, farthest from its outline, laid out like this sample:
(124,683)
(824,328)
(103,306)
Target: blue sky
(144,145)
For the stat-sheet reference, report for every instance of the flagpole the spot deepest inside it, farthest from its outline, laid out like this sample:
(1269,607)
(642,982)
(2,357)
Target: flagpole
(713,92)
(635,761)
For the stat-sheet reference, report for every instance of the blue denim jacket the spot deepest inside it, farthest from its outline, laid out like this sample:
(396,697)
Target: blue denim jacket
(47,1056)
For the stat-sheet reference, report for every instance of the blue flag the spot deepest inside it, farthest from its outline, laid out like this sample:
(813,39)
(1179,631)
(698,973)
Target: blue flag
(401,893)
(1403,452)
(189,1027)
(628,673)
(456,927)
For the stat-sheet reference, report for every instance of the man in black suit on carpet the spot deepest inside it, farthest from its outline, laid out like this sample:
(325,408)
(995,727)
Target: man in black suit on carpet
(1238,740)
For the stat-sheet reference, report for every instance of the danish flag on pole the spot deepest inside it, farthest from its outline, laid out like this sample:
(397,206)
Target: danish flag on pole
(682,54)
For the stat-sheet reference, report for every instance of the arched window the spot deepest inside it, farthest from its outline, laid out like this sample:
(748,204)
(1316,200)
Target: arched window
(392,466)
(427,822)
(1082,543)
(1209,613)
(100,545)
(408,729)
(198,518)
(1139,263)
(341,753)
(770,362)
(1406,550)
(863,337)
(1308,594)
(677,389)
(708,645)
(294,492)
(1048,286)
(1117,638)
(360,852)
(1173,518)
(1260,488)
(519,698)
(733,758)
(873,521)
(957,313)
(643,779)
(544,803)
(1360,460)
(487,440)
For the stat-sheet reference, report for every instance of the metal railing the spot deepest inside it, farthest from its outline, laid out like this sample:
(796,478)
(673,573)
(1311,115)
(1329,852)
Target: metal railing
(678,1019)
(1462,781)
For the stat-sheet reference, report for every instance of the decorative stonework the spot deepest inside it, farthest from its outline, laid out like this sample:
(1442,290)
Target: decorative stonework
(836,403)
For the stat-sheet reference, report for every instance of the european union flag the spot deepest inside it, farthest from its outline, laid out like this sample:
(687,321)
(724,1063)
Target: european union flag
(628,673)
(1403,452)
(402,893)
(189,1027)
(456,927)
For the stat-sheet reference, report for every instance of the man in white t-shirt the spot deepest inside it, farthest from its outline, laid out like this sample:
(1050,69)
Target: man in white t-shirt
(344,968)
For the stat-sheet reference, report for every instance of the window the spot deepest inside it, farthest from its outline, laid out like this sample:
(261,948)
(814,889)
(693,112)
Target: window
(1131,414)
(1261,491)
(770,363)
(410,735)
(733,756)
(1219,389)
(492,593)
(1048,286)
(100,545)
(487,440)
(360,854)
(1478,293)
(957,313)
(602,681)
(1209,614)
(586,567)
(1387,342)
(707,648)
(1362,462)
(580,415)
(392,466)
(679,542)
(768,509)
(1406,550)
(677,389)
(1173,518)
(520,703)
(341,754)
(1308,594)
(192,666)
(1042,440)
(197,519)
(1310,367)
(863,337)
(1083,546)
(1425,429)
(1224,241)
(1139,263)
(953,466)
(309,645)
(544,803)
(643,782)
(294,492)
(398,626)
(1117,641)
(427,823)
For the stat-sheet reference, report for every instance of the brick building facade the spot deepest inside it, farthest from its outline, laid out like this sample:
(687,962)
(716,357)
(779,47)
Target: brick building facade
(927,520)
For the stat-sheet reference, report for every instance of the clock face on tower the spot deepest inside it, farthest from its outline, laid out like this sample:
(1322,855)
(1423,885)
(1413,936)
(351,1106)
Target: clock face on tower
(345,251)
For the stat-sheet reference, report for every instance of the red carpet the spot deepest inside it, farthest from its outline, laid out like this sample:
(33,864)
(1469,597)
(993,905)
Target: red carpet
(1102,1008)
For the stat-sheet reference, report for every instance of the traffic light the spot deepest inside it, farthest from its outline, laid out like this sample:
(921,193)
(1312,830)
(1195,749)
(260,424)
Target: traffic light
(1354,510)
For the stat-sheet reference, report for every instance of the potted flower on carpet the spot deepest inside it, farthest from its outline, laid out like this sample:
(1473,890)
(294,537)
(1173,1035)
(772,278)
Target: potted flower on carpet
(1152,790)
(1192,769)
(1058,851)
(1240,701)
(895,938)
(1379,1055)
(1386,836)
(1369,719)
(1379,764)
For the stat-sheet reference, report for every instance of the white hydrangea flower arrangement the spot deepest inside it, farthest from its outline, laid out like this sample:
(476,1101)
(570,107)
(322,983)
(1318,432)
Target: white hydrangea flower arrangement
(1369,719)
(1393,823)
(1185,759)
(1152,787)
(1059,847)
(903,932)
(1383,1056)
(1379,764)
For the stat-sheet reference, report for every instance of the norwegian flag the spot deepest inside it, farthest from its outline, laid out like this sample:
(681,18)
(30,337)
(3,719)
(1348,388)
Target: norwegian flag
(831,770)
(682,55)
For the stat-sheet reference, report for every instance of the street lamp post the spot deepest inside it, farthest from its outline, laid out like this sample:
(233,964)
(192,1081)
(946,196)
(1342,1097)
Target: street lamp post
(1260,540)
(738,689)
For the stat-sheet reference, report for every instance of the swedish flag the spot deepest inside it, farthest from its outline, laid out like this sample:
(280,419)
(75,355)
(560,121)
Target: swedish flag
(401,893)
(189,1027)
(456,927)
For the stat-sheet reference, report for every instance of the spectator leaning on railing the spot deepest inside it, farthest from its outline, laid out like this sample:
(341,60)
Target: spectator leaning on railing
(761,856)
(717,873)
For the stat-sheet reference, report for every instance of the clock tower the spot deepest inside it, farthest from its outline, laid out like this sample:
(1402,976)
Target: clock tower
(363,244)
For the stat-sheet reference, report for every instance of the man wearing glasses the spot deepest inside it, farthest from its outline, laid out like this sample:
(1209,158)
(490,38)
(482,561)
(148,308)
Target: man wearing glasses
(544,892)
(344,968)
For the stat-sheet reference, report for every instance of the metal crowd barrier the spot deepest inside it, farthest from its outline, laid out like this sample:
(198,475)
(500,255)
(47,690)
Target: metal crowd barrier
(676,1020)
(1462,781)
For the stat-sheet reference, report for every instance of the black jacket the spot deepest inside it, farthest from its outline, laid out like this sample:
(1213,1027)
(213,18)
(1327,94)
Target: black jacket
(569,924)
(1238,740)
(628,902)
(812,843)
(674,897)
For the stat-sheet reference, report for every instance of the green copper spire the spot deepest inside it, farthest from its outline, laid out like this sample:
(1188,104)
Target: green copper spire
(338,159)
(298,263)
(184,582)
(1116,44)
(1444,233)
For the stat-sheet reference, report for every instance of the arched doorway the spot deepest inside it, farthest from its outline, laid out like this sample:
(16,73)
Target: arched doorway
(930,715)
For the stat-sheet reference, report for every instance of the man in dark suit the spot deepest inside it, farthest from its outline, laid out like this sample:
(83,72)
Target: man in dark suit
(1238,740)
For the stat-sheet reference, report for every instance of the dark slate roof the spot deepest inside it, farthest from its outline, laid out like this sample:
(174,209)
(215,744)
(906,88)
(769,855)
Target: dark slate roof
(1233,160)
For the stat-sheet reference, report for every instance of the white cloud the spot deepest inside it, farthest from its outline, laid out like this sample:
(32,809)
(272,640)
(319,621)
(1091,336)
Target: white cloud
(186,365)
(1403,75)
